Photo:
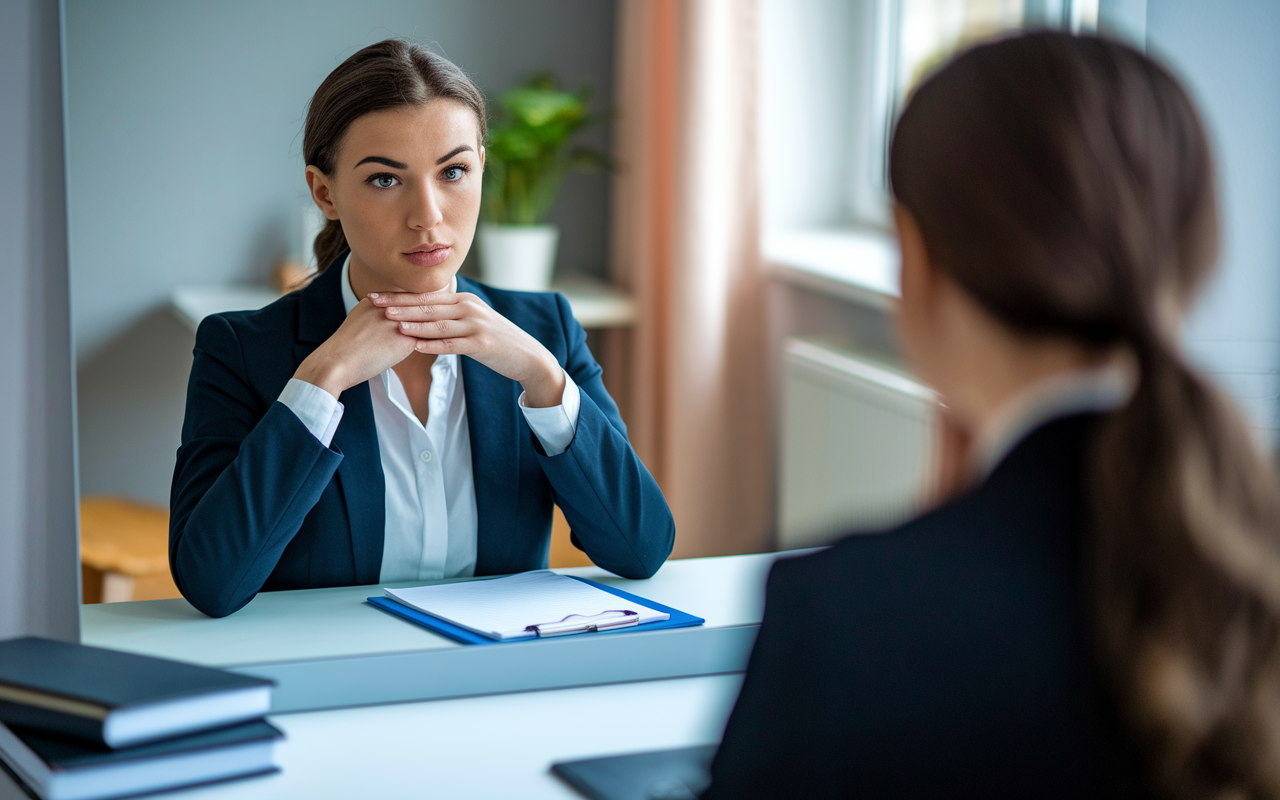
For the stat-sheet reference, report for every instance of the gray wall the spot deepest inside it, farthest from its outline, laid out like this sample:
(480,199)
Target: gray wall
(39,573)
(184,127)
(1229,55)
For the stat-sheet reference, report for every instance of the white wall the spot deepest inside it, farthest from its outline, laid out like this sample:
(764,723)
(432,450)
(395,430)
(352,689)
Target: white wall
(184,126)
(39,570)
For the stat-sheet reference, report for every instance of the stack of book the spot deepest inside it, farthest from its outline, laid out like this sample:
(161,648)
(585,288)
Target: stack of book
(84,723)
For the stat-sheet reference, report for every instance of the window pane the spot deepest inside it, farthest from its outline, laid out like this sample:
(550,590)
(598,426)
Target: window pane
(929,31)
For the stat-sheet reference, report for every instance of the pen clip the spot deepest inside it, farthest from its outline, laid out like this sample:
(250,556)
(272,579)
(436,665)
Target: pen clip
(586,623)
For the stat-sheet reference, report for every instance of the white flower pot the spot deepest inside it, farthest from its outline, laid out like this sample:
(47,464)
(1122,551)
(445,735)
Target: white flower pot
(519,257)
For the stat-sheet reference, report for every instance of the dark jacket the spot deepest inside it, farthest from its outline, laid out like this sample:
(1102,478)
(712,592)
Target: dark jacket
(950,657)
(259,503)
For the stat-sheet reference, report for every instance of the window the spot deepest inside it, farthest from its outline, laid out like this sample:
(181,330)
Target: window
(834,74)
(916,36)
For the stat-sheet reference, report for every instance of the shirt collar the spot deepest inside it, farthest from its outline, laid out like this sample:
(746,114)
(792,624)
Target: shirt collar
(349,299)
(1099,389)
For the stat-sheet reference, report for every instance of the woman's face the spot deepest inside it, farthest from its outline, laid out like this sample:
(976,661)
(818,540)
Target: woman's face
(406,187)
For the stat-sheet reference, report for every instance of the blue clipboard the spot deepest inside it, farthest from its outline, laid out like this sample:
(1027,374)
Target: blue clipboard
(679,619)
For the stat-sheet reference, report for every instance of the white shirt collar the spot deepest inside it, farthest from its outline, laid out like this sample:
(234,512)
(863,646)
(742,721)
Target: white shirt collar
(1099,389)
(349,299)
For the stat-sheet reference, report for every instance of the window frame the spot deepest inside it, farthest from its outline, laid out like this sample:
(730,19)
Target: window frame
(877,112)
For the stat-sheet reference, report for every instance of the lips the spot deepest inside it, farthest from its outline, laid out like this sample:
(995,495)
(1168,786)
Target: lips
(428,255)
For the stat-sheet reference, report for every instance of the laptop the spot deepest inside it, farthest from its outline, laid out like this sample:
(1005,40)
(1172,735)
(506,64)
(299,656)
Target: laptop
(680,774)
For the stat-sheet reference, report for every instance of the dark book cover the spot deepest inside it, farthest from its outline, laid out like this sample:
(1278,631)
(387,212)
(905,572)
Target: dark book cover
(73,689)
(51,767)
(60,753)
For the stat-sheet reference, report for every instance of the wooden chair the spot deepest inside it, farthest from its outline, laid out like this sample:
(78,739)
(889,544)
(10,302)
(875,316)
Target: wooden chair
(124,551)
(563,553)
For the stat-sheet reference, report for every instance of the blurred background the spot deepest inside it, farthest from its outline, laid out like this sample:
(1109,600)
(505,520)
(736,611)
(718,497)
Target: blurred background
(735,268)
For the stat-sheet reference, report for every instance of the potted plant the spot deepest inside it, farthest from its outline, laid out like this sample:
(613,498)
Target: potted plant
(526,159)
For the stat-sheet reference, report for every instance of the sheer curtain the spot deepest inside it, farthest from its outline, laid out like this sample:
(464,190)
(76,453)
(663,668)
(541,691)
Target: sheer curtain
(695,391)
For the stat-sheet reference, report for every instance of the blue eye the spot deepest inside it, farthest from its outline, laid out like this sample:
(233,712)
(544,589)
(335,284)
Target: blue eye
(454,173)
(383,181)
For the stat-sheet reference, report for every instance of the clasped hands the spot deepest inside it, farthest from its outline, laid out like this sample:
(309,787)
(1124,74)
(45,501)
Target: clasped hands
(385,328)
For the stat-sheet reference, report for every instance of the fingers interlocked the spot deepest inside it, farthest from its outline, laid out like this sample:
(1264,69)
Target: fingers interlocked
(437,315)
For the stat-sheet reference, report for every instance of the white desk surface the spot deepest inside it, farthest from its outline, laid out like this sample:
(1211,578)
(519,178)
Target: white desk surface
(333,623)
(595,304)
(498,746)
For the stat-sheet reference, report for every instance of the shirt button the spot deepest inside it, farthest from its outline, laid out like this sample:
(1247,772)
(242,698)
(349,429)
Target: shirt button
(426,456)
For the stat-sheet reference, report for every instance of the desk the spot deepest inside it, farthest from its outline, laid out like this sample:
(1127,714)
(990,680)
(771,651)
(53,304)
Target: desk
(327,648)
(496,744)
(500,746)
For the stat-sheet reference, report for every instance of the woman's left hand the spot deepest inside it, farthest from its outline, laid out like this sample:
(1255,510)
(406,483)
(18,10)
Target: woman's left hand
(463,324)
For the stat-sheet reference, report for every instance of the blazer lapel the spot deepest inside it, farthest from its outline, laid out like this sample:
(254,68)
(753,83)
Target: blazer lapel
(360,479)
(493,419)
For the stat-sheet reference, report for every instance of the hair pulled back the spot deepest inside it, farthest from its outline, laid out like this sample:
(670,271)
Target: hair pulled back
(393,73)
(1066,184)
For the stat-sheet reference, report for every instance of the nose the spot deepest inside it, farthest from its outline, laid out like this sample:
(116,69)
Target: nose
(426,212)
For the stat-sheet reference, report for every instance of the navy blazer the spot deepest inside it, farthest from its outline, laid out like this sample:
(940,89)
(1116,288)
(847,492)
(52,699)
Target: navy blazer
(951,657)
(258,503)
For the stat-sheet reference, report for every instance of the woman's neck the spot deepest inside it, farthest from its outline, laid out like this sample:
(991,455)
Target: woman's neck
(998,383)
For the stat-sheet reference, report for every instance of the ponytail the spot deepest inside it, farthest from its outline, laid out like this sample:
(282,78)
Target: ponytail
(330,243)
(1184,567)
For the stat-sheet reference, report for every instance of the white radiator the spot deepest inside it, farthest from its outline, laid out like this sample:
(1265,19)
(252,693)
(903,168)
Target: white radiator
(855,441)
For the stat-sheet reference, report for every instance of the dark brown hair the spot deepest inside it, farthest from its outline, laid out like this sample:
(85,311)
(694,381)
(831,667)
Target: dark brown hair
(390,74)
(1066,183)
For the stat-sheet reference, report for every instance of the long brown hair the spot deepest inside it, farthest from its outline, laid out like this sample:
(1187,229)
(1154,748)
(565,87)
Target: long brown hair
(393,73)
(1066,183)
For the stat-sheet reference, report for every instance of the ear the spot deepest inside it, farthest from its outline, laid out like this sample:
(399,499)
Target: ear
(482,158)
(321,192)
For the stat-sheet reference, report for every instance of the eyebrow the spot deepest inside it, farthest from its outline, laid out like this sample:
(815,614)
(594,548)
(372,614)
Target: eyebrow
(382,160)
(462,148)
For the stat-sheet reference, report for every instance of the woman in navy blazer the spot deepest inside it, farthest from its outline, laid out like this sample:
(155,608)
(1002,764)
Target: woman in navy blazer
(1096,611)
(261,501)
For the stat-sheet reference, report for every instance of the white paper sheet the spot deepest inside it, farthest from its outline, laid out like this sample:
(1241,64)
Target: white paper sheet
(503,607)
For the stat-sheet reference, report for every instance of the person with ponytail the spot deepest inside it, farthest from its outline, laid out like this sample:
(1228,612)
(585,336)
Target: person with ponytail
(393,421)
(1095,609)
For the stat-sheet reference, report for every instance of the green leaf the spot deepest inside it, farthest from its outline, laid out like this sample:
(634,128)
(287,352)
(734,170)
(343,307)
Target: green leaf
(528,149)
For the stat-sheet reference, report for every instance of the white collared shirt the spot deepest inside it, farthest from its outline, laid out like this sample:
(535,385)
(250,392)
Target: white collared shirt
(431,519)
(1100,389)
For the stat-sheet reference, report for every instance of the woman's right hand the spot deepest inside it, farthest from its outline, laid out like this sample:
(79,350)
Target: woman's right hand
(367,344)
